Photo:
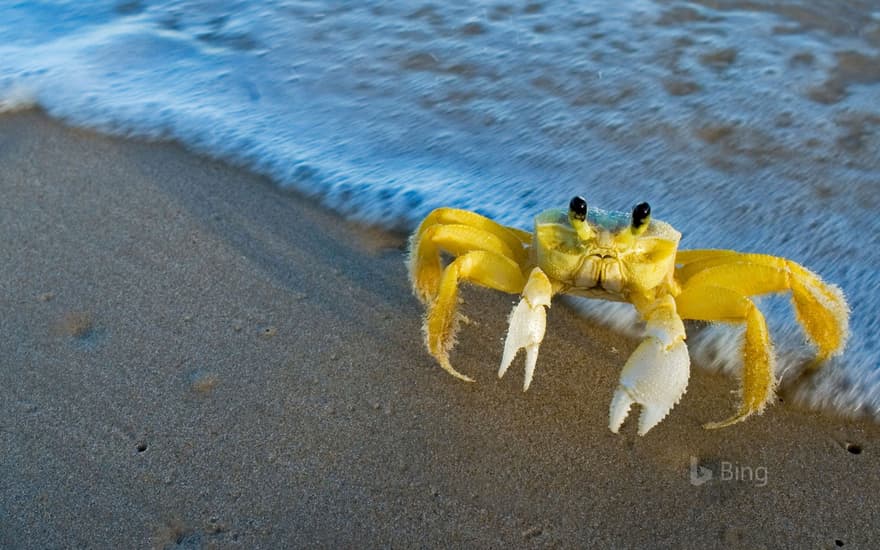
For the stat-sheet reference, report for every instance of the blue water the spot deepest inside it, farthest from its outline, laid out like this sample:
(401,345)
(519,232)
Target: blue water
(748,125)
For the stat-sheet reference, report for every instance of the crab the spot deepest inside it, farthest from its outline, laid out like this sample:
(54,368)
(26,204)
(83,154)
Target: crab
(625,257)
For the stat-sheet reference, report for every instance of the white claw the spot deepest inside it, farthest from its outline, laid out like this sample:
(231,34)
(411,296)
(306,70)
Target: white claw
(528,322)
(655,377)
(527,326)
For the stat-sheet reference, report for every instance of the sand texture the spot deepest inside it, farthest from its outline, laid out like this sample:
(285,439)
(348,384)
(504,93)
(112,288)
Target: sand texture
(190,357)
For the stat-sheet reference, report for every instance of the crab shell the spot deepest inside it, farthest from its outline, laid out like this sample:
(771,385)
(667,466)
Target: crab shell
(614,263)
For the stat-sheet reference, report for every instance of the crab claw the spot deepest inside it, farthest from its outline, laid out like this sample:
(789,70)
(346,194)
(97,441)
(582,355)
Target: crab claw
(655,377)
(527,324)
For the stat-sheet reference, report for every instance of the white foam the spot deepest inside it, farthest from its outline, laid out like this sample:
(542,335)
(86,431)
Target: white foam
(17,98)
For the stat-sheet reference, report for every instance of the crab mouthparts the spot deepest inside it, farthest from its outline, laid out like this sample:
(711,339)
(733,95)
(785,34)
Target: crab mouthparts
(600,271)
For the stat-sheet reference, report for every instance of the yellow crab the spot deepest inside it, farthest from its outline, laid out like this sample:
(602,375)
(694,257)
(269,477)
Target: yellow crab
(622,257)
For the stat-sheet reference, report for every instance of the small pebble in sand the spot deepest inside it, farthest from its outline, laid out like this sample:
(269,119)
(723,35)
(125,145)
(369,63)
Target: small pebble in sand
(203,382)
(77,324)
(215,526)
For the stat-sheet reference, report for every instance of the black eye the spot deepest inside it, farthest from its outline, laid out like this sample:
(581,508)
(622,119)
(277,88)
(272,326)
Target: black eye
(578,208)
(641,213)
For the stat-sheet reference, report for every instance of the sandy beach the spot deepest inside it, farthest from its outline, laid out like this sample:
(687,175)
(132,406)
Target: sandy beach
(193,358)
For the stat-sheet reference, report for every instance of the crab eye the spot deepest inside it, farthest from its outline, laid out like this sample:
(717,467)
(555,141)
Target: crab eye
(641,215)
(578,208)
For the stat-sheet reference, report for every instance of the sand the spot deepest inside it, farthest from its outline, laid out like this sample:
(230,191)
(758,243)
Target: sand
(191,357)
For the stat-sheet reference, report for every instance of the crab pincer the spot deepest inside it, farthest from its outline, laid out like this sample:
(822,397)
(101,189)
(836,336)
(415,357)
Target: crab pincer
(527,324)
(656,375)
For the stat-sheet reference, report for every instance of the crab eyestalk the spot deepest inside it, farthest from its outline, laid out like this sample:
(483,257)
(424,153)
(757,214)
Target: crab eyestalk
(577,216)
(641,217)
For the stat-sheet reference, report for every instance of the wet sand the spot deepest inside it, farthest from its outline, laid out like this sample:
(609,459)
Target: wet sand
(191,357)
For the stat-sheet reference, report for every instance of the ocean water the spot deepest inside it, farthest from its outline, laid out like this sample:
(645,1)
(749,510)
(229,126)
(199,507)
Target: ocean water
(747,124)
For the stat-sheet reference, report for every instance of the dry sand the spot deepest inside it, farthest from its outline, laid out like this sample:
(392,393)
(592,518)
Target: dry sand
(192,357)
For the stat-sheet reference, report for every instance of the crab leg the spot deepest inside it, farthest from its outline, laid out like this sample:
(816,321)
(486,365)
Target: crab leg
(425,262)
(445,216)
(527,324)
(711,303)
(820,307)
(457,232)
(656,374)
(481,267)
